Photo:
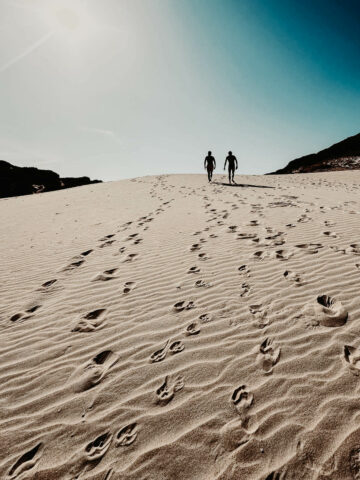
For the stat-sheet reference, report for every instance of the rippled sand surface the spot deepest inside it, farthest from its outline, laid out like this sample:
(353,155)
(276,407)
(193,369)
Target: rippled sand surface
(165,328)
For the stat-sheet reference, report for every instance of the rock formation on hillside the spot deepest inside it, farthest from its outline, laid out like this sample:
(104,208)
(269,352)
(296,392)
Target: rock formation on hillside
(16,181)
(344,155)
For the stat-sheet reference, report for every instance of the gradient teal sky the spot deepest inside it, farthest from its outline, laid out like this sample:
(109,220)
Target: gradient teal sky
(121,88)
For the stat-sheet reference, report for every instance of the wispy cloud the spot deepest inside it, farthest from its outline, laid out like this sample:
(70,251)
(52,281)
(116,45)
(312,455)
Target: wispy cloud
(31,48)
(100,131)
(103,132)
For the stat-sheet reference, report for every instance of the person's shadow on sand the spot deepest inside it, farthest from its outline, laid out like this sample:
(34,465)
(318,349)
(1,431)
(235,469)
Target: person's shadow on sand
(241,185)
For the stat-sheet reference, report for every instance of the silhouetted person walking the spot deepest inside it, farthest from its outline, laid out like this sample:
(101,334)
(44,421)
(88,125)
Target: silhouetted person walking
(233,165)
(210,165)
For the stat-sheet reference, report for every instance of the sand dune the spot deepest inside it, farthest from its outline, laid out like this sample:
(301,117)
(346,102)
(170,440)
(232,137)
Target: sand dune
(164,328)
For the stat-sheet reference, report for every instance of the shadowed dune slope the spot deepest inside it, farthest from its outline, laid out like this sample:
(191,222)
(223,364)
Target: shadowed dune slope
(344,155)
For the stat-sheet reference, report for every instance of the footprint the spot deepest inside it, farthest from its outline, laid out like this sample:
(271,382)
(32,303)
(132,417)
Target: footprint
(329,223)
(73,265)
(33,309)
(160,354)
(48,284)
(25,462)
(310,248)
(205,318)
(176,347)
(107,243)
(245,289)
(131,237)
(244,270)
(91,374)
(86,253)
(128,286)
(242,399)
(254,309)
(94,314)
(192,329)
(23,315)
(201,283)
(335,248)
(246,236)
(180,306)
(17,317)
(130,257)
(274,235)
(91,321)
(330,234)
(283,254)
(194,269)
(202,256)
(330,312)
(103,239)
(303,219)
(269,356)
(165,393)
(260,315)
(293,277)
(105,276)
(232,228)
(253,223)
(259,255)
(352,357)
(127,435)
(96,449)
(111,271)
(354,249)
(195,246)
(275,476)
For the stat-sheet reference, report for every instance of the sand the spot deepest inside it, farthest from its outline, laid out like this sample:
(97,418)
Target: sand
(166,328)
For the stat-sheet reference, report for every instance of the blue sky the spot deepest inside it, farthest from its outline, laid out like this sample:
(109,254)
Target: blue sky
(123,88)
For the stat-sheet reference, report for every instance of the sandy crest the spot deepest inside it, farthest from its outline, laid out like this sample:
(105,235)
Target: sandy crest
(164,328)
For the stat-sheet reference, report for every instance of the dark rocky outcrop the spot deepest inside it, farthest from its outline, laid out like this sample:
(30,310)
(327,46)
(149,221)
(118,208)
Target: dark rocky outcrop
(344,155)
(16,181)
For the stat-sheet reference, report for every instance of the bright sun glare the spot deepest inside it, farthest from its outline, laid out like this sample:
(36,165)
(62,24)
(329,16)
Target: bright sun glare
(67,18)
(71,20)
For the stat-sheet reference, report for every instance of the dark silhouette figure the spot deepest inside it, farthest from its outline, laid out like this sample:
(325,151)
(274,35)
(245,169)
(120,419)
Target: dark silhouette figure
(233,165)
(210,165)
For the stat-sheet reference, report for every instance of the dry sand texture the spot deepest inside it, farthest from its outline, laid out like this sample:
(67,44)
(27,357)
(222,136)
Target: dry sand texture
(164,328)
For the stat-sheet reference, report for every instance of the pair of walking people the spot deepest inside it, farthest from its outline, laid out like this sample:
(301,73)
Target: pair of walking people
(210,165)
